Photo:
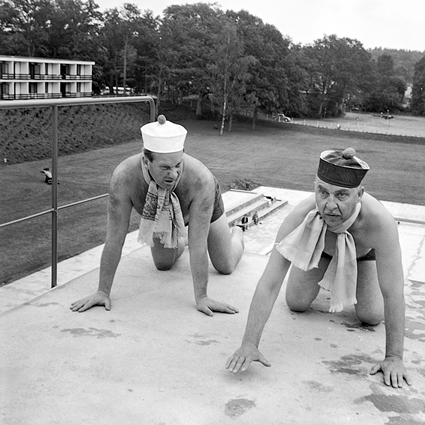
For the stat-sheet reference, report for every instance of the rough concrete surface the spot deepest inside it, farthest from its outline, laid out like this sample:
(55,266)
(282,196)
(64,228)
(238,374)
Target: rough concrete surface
(154,359)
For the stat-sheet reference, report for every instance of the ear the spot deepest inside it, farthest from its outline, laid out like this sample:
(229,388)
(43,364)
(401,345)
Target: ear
(360,193)
(145,161)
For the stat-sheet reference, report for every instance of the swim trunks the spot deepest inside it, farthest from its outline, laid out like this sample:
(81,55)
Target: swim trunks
(370,256)
(218,210)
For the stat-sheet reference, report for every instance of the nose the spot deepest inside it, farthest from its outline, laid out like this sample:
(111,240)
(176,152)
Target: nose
(173,172)
(330,203)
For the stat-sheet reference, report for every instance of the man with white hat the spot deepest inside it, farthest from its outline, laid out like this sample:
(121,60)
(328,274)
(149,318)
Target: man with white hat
(343,240)
(170,190)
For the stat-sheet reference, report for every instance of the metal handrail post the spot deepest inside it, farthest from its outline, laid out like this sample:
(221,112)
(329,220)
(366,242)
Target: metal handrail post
(54,261)
(54,104)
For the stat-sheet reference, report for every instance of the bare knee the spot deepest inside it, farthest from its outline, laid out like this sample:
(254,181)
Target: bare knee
(225,269)
(297,305)
(163,265)
(370,318)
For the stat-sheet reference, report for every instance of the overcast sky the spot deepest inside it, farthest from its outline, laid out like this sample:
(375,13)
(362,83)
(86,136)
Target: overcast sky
(375,23)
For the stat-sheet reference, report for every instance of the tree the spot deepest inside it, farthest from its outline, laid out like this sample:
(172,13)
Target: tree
(268,85)
(337,68)
(418,88)
(388,91)
(230,73)
(190,31)
(24,26)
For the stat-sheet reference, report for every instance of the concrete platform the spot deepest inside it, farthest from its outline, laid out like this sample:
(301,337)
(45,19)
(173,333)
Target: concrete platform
(154,359)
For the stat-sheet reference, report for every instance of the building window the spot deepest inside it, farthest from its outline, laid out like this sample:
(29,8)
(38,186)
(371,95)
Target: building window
(4,91)
(4,68)
(32,88)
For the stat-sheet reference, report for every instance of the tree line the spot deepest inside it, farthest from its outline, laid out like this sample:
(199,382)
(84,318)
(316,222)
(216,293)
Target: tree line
(232,59)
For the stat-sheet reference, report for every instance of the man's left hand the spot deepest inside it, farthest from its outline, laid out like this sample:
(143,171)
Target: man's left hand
(208,306)
(393,370)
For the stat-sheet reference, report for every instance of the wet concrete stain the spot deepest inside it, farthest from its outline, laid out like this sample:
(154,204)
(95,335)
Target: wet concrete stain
(394,403)
(350,364)
(398,420)
(416,284)
(98,333)
(411,335)
(414,324)
(360,326)
(334,345)
(319,386)
(204,342)
(238,406)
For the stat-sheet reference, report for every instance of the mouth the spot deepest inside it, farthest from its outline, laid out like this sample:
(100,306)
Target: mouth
(332,216)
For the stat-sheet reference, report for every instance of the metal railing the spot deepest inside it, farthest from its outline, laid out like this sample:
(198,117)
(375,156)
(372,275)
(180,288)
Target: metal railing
(54,104)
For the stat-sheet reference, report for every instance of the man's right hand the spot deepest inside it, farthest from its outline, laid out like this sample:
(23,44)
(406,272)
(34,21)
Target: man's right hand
(99,298)
(243,357)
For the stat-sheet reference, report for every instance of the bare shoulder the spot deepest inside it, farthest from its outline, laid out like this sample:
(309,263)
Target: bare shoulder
(126,181)
(378,228)
(375,214)
(197,176)
(126,173)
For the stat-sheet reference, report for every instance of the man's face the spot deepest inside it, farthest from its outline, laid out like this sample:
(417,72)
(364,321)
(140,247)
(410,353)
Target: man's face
(165,168)
(335,203)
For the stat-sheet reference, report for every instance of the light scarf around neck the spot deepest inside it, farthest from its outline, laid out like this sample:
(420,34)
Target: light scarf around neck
(304,247)
(162,217)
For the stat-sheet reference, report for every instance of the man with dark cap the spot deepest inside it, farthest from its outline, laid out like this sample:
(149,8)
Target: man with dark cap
(170,190)
(343,240)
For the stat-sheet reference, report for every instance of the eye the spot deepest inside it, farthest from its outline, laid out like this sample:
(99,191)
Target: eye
(342,196)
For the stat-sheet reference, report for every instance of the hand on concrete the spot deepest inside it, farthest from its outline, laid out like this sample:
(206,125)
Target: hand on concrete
(208,306)
(393,370)
(99,298)
(243,357)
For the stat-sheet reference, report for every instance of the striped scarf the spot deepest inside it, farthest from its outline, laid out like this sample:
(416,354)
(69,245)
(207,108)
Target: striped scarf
(304,247)
(162,217)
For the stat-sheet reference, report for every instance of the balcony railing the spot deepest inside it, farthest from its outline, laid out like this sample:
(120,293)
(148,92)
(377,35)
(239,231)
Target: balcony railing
(54,210)
(25,96)
(47,77)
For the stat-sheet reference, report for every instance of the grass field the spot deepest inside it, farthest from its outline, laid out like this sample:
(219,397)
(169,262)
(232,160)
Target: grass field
(271,155)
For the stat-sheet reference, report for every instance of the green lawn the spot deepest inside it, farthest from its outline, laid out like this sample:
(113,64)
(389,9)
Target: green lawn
(279,155)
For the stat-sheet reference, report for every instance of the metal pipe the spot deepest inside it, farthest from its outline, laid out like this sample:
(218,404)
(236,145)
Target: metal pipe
(12,104)
(54,103)
(83,201)
(54,259)
(28,217)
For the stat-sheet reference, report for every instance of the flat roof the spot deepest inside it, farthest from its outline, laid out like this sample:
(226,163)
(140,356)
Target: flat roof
(48,60)
(154,359)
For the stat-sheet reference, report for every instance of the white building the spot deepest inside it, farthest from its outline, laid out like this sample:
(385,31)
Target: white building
(39,78)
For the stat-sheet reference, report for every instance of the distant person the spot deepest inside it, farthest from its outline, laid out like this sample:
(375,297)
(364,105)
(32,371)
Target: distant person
(255,218)
(170,190)
(341,239)
(244,222)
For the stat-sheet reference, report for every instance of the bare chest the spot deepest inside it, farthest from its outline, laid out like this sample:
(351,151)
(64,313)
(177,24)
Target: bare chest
(363,245)
(139,193)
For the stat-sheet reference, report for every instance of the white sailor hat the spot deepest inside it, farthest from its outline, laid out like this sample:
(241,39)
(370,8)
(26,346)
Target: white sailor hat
(163,136)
